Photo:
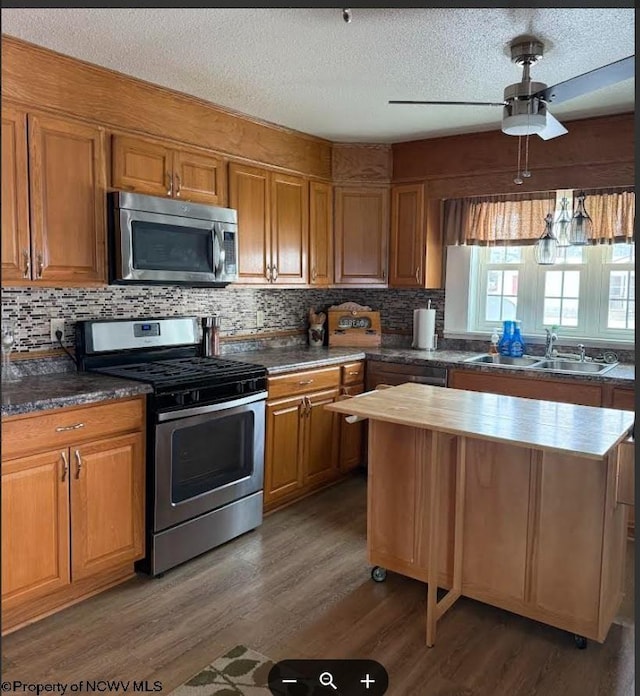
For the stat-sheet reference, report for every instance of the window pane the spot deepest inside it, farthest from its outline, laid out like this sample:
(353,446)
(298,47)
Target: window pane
(622,253)
(513,255)
(618,284)
(574,254)
(569,313)
(631,319)
(509,307)
(492,312)
(571,284)
(496,254)
(510,283)
(551,311)
(494,283)
(617,316)
(631,288)
(553,284)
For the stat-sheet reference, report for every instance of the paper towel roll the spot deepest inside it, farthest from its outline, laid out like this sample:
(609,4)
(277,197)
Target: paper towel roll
(424,328)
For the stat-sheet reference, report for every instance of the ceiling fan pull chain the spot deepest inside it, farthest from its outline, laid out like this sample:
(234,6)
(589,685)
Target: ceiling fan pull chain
(526,173)
(517,179)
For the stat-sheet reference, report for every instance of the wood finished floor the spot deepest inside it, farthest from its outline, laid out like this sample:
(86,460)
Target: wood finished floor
(298,587)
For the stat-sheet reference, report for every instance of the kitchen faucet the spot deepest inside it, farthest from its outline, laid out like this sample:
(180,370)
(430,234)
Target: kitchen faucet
(552,337)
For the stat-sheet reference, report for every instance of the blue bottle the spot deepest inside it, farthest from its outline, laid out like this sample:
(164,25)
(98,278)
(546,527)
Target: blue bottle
(516,349)
(504,345)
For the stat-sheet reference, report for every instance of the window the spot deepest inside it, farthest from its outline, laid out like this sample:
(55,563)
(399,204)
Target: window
(589,293)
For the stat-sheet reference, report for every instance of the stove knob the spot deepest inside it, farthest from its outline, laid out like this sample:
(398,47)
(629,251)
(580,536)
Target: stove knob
(240,387)
(195,396)
(180,399)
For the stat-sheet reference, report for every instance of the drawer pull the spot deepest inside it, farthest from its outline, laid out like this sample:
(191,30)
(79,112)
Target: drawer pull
(65,465)
(64,428)
(354,372)
(78,463)
(305,381)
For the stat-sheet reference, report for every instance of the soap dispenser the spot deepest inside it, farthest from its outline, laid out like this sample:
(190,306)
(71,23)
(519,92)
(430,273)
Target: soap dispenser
(493,344)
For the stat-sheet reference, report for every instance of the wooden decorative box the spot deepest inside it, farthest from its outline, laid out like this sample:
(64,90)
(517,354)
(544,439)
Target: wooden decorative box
(351,324)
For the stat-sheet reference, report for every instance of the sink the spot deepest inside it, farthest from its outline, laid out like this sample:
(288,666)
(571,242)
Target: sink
(504,360)
(571,366)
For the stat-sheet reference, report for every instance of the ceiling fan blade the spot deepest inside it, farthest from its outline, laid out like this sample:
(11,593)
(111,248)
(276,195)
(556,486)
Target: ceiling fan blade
(454,103)
(589,82)
(553,128)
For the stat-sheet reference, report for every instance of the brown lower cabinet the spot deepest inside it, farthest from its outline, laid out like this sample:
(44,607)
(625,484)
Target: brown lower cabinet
(308,447)
(73,515)
(568,391)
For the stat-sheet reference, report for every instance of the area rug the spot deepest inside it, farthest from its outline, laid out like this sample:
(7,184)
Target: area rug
(240,671)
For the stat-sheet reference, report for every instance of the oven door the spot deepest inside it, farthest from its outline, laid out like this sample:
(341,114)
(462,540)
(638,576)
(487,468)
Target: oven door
(206,457)
(166,248)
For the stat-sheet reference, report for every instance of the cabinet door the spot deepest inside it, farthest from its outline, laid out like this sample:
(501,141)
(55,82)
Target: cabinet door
(320,234)
(361,235)
(284,443)
(107,504)
(351,436)
(16,254)
(322,431)
(289,229)
(406,255)
(199,178)
(249,195)
(35,527)
(142,166)
(68,216)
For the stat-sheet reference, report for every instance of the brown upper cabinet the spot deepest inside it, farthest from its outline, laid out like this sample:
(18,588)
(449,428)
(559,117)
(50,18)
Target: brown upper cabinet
(273,219)
(62,240)
(320,233)
(415,256)
(159,169)
(361,235)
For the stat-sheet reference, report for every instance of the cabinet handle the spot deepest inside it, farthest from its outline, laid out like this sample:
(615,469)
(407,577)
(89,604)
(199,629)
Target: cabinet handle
(418,275)
(268,273)
(305,381)
(40,265)
(170,184)
(384,274)
(177,184)
(64,428)
(308,413)
(78,463)
(27,264)
(354,372)
(314,275)
(65,465)
(274,274)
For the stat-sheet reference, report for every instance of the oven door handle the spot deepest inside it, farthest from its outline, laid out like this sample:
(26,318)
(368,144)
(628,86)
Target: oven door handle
(211,408)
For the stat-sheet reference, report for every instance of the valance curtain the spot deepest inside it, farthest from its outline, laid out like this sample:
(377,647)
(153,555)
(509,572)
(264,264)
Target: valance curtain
(612,213)
(519,219)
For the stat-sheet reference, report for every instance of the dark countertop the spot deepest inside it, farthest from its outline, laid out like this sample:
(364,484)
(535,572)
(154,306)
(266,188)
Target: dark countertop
(47,391)
(283,360)
(57,390)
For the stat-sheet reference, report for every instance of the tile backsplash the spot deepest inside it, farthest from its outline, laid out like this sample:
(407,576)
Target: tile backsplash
(33,308)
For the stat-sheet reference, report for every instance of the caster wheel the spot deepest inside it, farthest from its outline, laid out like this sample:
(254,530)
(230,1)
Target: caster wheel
(378,574)
(581,641)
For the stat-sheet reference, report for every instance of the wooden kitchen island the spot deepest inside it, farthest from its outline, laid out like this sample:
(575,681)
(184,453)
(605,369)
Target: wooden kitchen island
(523,509)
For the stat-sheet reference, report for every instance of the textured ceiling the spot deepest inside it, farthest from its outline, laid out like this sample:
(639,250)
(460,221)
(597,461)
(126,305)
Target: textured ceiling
(309,70)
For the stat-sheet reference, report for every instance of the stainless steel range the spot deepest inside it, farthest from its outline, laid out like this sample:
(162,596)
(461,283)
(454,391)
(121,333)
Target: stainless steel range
(205,432)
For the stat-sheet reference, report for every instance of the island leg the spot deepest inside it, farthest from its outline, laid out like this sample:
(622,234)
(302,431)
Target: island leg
(436,609)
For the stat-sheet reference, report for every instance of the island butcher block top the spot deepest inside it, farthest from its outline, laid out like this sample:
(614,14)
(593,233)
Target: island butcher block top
(583,431)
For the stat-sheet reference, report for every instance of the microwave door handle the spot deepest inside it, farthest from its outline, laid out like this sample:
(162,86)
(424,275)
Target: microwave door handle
(216,250)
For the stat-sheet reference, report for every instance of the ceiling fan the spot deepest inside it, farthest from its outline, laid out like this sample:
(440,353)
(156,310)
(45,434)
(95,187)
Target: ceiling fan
(525,103)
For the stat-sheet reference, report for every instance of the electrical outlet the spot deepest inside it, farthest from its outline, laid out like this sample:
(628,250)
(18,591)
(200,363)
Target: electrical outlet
(56,325)
(259,319)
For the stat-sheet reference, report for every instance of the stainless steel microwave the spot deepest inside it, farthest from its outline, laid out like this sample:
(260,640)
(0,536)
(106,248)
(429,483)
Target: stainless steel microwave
(157,240)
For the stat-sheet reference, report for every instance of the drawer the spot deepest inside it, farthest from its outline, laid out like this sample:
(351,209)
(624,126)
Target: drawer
(64,427)
(303,382)
(353,373)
